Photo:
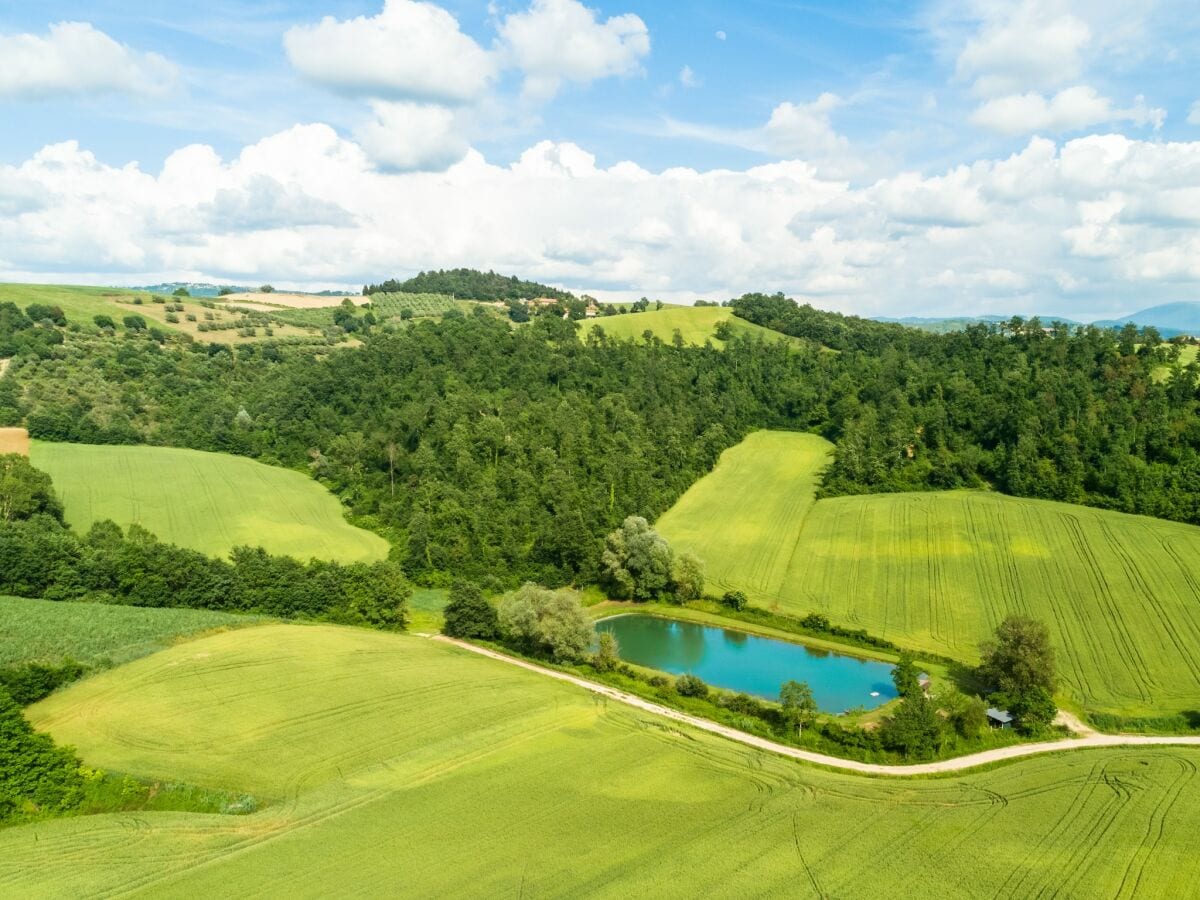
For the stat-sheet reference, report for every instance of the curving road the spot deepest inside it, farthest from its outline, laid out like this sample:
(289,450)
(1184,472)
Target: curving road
(1088,739)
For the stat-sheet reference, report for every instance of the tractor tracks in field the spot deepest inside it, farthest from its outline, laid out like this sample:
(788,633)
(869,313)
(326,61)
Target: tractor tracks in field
(1086,739)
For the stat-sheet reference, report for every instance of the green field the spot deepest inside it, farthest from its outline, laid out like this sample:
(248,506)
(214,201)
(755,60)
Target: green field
(391,765)
(938,571)
(387,306)
(210,502)
(697,324)
(743,519)
(96,634)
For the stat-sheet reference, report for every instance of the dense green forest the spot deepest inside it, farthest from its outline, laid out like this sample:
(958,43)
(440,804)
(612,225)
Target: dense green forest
(505,453)
(469,284)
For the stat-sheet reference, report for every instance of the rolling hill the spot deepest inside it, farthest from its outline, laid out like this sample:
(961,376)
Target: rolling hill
(937,571)
(211,502)
(387,764)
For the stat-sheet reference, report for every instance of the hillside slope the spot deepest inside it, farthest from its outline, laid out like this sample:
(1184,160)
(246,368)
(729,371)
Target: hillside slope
(211,502)
(696,324)
(937,572)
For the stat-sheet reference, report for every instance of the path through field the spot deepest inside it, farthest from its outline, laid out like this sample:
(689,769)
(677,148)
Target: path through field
(390,765)
(1090,740)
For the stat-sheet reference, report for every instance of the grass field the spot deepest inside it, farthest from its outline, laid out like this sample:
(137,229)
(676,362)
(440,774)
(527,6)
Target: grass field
(97,634)
(697,324)
(746,534)
(938,571)
(392,765)
(210,502)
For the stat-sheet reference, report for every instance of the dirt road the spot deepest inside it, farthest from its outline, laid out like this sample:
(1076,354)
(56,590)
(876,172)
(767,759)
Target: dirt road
(1089,739)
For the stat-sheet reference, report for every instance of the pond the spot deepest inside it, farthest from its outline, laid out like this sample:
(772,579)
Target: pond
(738,661)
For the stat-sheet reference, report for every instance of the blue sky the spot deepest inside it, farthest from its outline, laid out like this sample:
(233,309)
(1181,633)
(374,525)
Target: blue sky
(879,156)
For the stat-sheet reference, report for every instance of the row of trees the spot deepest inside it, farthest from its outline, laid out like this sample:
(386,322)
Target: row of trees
(469,284)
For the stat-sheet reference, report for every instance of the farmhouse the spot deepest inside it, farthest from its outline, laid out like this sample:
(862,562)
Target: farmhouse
(999,718)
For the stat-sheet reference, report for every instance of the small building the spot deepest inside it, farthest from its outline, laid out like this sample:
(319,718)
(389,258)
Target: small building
(999,718)
(924,682)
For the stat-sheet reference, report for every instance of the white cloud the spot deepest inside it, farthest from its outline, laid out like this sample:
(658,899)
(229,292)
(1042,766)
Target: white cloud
(1075,227)
(410,50)
(803,130)
(1069,110)
(413,136)
(557,41)
(1023,46)
(76,59)
(688,78)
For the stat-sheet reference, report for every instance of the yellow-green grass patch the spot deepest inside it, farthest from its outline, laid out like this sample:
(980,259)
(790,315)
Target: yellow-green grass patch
(211,502)
(392,766)
(745,517)
(696,324)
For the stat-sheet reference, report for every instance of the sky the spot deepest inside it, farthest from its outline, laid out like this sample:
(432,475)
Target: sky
(881,158)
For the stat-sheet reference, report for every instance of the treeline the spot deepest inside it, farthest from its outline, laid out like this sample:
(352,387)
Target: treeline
(34,331)
(469,284)
(41,558)
(1090,416)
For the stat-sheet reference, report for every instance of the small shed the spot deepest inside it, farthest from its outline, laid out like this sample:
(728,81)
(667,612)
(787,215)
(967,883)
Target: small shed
(925,683)
(999,718)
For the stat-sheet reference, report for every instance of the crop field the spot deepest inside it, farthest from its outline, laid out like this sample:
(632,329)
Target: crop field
(387,306)
(387,764)
(211,502)
(938,571)
(697,324)
(259,300)
(14,440)
(97,634)
(746,534)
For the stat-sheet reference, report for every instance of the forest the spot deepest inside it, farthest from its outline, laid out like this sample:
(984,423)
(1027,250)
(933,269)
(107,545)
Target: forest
(505,454)
(469,284)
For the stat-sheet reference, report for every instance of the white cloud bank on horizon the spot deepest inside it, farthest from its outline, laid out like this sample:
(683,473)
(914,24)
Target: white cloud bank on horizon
(76,59)
(1098,224)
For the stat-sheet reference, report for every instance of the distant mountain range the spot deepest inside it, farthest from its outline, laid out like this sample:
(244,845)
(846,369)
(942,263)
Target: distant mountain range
(1170,319)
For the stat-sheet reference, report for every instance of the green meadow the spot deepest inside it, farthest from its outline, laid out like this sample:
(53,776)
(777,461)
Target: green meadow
(211,502)
(96,634)
(392,765)
(938,571)
(696,324)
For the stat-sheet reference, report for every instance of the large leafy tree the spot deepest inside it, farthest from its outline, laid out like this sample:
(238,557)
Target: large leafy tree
(24,490)
(638,561)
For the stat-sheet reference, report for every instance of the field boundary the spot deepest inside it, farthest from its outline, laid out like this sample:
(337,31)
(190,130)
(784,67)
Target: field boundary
(940,767)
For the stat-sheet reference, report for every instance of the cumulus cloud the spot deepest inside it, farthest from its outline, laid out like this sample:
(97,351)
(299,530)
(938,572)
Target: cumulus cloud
(1070,227)
(410,50)
(413,137)
(1023,46)
(74,58)
(803,130)
(1069,110)
(557,41)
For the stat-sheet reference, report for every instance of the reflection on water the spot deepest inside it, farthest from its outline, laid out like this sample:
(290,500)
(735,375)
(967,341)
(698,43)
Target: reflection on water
(745,662)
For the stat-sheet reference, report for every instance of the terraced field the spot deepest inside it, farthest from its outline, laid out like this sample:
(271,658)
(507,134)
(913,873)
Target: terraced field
(744,518)
(211,502)
(697,324)
(96,634)
(938,571)
(394,765)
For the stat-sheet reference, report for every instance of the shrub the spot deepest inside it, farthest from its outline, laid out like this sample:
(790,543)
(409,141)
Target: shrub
(690,686)
(735,600)
(545,622)
(816,622)
(104,321)
(30,683)
(134,323)
(607,656)
(468,614)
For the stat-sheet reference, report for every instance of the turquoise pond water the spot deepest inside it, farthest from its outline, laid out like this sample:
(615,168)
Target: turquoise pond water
(756,665)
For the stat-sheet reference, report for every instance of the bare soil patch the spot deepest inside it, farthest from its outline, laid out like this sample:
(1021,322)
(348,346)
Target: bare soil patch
(14,440)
